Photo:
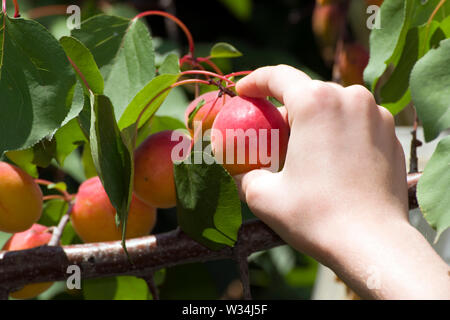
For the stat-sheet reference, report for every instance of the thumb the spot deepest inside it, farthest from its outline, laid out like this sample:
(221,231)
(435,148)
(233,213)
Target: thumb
(258,188)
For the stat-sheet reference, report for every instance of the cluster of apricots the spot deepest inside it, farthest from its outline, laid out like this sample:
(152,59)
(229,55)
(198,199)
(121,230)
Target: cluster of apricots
(93,216)
(329,23)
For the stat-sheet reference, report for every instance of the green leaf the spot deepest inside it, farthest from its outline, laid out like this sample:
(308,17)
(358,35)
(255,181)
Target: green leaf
(84,117)
(174,104)
(124,52)
(434,187)
(208,206)
(117,288)
(112,157)
(242,9)
(384,42)
(76,101)
(35,79)
(88,163)
(144,97)
(68,138)
(44,151)
(224,50)
(24,159)
(61,186)
(194,112)
(430,83)
(4,237)
(157,124)
(52,212)
(170,65)
(398,83)
(84,63)
(445,26)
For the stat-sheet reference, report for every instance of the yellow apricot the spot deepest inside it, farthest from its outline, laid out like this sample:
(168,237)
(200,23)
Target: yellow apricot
(20,199)
(93,215)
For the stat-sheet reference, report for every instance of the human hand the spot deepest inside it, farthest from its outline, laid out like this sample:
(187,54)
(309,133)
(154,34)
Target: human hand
(342,194)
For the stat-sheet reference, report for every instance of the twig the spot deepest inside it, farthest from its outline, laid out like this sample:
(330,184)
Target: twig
(58,231)
(415,143)
(150,279)
(242,262)
(413,179)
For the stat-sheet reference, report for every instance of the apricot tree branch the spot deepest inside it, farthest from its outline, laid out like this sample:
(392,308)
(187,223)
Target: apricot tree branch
(58,231)
(415,143)
(150,279)
(50,263)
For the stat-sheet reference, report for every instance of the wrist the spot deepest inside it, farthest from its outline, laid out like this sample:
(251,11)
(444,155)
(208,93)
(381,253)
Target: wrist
(389,260)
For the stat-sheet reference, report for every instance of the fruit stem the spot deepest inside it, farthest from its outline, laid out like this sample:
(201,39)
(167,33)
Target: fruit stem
(16,9)
(174,19)
(58,231)
(433,14)
(53,196)
(207,73)
(237,74)
(211,64)
(195,62)
(203,118)
(67,196)
(176,84)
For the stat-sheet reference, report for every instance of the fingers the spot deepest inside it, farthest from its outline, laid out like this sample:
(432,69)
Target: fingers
(284,114)
(244,180)
(271,81)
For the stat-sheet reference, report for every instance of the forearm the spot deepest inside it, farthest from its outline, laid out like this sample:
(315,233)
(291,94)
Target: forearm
(390,261)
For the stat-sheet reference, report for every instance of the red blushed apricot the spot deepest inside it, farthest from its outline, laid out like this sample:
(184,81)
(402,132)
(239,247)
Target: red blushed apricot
(153,166)
(36,236)
(352,61)
(207,108)
(93,216)
(246,133)
(374,2)
(327,21)
(20,199)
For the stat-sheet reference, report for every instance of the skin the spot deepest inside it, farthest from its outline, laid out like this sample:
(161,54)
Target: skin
(154,180)
(20,199)
(342,194)
(247,113)
(209,99)
(93,216)
(36,236)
